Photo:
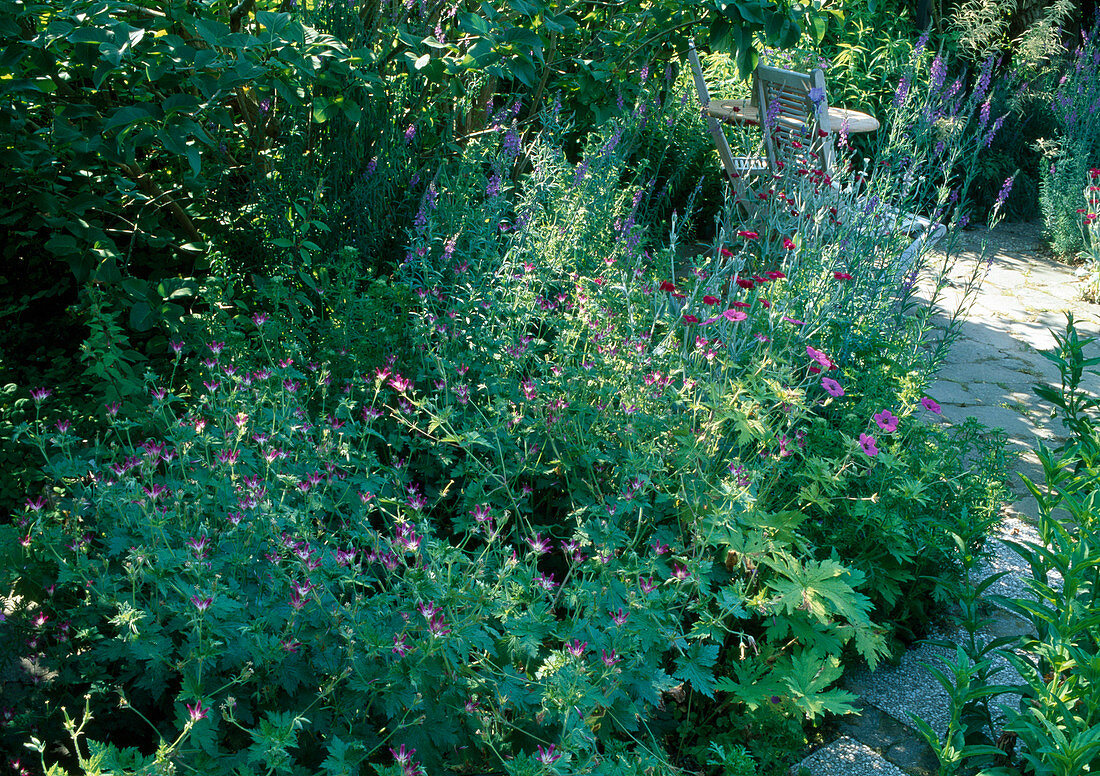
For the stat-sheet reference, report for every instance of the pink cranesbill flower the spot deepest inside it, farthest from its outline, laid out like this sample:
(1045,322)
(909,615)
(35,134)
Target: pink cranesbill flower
(819,357)
(931,405)
(867,444)
(886,420)
(733,315)
(832,387)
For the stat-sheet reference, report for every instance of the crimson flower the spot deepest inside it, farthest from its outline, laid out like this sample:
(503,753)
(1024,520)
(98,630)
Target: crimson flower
(775,274)
(667,286)
(842,276)
(745,283)
(710,300)
(788,243)
(747,235)
(690,319)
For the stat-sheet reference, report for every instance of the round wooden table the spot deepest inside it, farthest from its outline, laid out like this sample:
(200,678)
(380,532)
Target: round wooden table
(744,112)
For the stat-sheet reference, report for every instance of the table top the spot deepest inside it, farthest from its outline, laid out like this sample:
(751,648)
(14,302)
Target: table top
(744,112)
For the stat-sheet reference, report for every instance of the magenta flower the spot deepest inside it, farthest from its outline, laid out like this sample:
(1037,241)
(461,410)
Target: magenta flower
(819,357)
(646,584)
(610,659)
(887,421)
(832,387)
(930,405)
(202,604)
(197,545)
(618,617)
(577,648)
(795,321)
(680,572)
(196,711)
(437,626)
(547,756)
(867,444)
(402,756)
(40,395)
(539,545)
(400,648)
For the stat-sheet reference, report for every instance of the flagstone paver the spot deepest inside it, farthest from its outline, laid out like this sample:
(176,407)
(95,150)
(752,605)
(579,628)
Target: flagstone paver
(989,374)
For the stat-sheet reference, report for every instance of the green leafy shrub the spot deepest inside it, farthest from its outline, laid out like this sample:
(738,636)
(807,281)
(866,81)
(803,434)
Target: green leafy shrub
(503,529)
(1074,149)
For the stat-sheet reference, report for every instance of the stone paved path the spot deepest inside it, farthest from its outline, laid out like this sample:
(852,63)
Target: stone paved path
(988,374)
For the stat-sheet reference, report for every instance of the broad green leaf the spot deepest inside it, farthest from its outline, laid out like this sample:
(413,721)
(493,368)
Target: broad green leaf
(696,666)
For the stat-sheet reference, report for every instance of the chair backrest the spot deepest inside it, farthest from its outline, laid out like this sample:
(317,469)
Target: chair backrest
(794,110)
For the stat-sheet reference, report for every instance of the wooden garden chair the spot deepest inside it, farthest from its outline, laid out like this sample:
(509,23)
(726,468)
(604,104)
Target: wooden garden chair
(740,170)
(797,132)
